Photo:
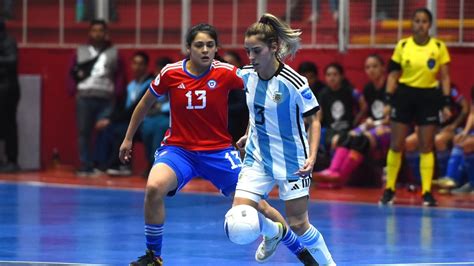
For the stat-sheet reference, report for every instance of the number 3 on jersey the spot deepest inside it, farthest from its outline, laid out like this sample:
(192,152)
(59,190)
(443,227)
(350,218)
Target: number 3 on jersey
(259,115)
(200,98)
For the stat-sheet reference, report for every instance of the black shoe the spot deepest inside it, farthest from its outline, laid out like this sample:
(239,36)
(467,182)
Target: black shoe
(387,197)
(148,259)
(429,200)
(84,171)
(306,258)
(9,168)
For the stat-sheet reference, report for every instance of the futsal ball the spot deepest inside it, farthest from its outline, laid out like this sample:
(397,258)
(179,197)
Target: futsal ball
(242,225)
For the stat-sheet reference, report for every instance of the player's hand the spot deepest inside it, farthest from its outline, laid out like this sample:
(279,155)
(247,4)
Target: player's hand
(125,153)
(241,142)
(307,168)
(447,113)
(369,123)
(459,138)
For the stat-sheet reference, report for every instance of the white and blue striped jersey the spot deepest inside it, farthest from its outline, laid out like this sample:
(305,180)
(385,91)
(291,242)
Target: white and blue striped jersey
(277,142)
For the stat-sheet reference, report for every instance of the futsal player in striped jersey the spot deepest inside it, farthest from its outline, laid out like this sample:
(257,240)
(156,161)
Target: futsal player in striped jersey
(278,151)
(197,142)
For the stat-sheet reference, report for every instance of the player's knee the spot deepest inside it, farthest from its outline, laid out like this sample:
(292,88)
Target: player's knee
(264,208)
(441,144)
(299,226)
(155,191)
(242,224)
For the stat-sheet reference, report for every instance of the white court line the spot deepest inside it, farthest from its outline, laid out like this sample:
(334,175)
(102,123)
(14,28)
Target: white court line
(47,184)
(44,263)
(426,264)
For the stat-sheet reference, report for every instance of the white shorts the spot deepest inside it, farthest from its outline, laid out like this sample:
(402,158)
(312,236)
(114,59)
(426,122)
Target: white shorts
(257,183)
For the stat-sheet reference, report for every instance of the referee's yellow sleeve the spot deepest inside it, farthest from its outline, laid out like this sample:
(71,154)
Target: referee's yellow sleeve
(397,53)
(444,57)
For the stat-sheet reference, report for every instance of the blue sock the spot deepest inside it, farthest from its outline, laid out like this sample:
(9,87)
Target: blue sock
(442,158)
(154,237)
(413,160)
(292,243)
(469,163)
(453,169)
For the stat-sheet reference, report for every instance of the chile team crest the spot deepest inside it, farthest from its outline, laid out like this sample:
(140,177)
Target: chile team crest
(212,84)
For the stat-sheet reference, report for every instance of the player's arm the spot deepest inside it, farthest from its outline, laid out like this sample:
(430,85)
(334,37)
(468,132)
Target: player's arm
(392,81)
(446,87)
(470,121)
(137,117)
(363,108)
(243,140)
(314,133)
(462,115)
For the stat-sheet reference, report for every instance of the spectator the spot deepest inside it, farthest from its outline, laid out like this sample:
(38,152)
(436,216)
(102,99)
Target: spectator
(96,80)
(9,97)
(338,102)
(310,71)
(238,111)
(157,121)
(113,127)
(462,154)
(370,138)
(7,9)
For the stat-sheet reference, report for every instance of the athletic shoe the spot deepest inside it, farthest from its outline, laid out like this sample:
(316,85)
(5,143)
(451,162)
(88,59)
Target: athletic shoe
(387,197)
(149,259)
(306,258)
(327,176)
(446,182)
(466,188)
(267,248)
(84,171)
(119,171)
(429,200)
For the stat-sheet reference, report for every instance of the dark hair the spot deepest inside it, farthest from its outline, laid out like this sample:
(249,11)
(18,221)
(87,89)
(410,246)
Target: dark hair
(472,93)
(161,62)
(308,66)
(378,58)
(426,11)
(236,56)
(203,27)
(98,22)
(337,66)
(270,29)
(143,55)
(2,25)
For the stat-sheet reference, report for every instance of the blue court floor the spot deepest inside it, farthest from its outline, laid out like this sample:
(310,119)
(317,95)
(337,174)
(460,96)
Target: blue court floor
(43,223)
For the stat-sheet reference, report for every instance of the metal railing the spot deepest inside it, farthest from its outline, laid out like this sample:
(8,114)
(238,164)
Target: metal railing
(341,24)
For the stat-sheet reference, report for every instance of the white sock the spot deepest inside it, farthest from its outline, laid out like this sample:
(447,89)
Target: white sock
(268,227)
(314,242)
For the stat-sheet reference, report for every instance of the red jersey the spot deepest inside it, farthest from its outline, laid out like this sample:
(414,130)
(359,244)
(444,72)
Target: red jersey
(198,104)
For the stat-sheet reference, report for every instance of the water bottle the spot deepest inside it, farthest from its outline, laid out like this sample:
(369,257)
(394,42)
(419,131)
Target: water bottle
(79,10)
(55,158)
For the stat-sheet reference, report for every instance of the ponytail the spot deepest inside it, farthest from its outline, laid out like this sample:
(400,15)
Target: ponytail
(271,29)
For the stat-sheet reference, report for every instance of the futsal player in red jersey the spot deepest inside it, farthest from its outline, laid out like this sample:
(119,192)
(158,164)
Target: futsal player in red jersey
(197,142)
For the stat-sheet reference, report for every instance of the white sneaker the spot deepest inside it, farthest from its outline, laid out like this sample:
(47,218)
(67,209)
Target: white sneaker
(267,248)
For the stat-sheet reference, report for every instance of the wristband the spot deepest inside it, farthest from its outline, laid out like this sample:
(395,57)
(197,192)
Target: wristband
(447,101)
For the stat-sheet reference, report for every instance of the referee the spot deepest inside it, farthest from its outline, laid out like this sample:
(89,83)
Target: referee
(415,64)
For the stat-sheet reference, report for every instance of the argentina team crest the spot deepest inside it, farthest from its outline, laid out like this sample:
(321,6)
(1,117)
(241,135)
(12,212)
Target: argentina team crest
(212,84)
(277,97)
